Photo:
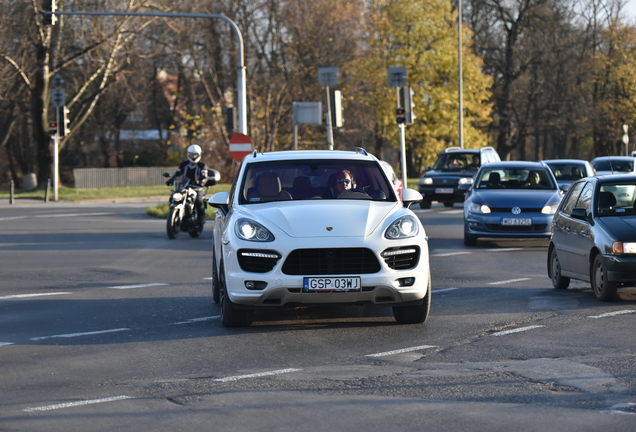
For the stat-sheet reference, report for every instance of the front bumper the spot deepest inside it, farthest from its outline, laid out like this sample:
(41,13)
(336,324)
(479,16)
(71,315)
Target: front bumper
(490,225)
(621,268)
(275,288)
(431,193)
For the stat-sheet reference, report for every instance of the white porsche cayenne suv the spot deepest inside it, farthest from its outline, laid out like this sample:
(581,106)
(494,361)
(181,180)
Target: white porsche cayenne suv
(314,227)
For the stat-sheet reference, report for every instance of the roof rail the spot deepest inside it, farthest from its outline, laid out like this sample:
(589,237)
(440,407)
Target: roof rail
(360,150)
(452,148)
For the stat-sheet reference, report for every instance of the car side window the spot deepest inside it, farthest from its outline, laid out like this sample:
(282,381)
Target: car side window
(571,198)
(585,199)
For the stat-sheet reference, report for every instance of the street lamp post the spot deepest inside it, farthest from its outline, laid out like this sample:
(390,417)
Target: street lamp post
(460,74)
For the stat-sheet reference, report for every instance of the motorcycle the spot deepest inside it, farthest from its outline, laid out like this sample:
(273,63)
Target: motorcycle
(183,214)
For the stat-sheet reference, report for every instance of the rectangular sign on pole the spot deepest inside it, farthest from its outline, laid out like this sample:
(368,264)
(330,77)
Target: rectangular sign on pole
(397,76)
(328,76)
(307,112)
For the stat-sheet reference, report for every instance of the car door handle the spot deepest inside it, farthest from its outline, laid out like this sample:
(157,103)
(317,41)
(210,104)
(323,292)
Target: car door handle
(568,229)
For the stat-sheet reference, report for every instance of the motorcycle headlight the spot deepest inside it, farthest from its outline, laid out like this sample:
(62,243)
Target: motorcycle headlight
(177,196)
(250,230)
(550,209)
(479,208)
(466,180)
(426,181)
(624,247)
(403,227)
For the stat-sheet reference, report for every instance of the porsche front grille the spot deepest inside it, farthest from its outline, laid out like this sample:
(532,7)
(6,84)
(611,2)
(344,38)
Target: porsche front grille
(331,262)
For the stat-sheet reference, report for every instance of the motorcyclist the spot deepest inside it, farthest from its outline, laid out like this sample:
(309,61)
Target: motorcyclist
(197,172)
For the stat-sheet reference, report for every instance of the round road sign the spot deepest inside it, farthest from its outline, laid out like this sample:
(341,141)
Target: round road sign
(240,146)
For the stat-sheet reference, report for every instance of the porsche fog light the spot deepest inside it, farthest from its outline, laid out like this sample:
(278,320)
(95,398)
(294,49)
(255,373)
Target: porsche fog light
(404,227)
(252,231)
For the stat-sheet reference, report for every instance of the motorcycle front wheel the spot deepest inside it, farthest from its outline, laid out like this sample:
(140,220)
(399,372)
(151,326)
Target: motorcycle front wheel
(173,223)
(197,228)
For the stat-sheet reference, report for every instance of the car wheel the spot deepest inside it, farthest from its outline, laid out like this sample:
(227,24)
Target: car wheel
(415,314)
(469,240)
(216,292)
(233,317)
(604,289)
(449,203)
(425,204)
(558,281)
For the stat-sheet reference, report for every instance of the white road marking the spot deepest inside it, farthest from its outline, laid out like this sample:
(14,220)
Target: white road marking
(193,320)
(6,343)
(256,375)
(444,290)
(509,281)
(138,286)
(70,335)
(32,295)
(517,330)
(13,218)
(450,254)
(78,403)
(503,250)
(73,214)
(400,351)
(621,408)
(623,312)
(452,211)
(208,278)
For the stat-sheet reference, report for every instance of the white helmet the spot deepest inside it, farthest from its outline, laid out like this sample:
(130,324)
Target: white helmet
(194,153)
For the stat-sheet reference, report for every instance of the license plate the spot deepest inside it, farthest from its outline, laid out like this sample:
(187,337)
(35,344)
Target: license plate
(331,284)
(444,191)
(516,221)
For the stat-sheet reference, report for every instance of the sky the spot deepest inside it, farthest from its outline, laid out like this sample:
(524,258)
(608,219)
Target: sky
(630,11)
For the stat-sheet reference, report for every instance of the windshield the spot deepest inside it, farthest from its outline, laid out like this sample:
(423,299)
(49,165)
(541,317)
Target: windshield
(568,171)
(616,199)
(457,161)
(624,165)
(515,178)
(315,179)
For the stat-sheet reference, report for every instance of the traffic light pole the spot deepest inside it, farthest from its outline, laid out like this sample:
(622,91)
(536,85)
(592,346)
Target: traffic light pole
(241,76)
(56,159)
(329,128)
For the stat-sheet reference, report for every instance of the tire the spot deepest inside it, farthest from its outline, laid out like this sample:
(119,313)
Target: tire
(196,230)
(604,289)
(469,240)
(216,291)
(232,317)
(173,223)
(415,314)
(449,203)
(425,204)
(558,281)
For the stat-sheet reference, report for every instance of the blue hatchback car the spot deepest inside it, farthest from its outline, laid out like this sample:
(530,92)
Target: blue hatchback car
(511,199)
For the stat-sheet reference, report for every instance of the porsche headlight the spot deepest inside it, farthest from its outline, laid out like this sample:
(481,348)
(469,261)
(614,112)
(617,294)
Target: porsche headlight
(466,180)
(250,230)
(426,181)
(404,227)
(479,208)
(624,247)
(550,209)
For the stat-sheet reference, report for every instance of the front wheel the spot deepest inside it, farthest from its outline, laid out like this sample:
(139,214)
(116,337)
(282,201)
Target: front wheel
(604,289)
(558,281)
(469,240)
(233,317)
(196,229)
(415,314)
(173,223)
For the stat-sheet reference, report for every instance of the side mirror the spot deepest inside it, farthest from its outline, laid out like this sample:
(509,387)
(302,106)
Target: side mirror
(165,175)
(410,196)
(579,213)
(213,177)
(221,201)
(464,187)
(428,168)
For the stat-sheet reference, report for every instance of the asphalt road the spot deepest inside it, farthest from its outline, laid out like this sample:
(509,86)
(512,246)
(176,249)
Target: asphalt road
(106,324)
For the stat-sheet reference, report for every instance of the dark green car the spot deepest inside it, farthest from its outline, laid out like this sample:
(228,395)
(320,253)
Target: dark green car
(594,235)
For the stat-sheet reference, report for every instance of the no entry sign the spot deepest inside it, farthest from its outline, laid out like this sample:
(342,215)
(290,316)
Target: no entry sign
(240,146)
